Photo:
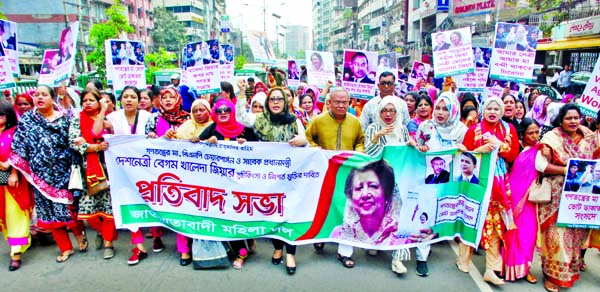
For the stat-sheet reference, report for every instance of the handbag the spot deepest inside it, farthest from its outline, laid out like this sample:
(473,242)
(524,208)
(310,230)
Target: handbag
(540,191)
(4,174)
(75,181)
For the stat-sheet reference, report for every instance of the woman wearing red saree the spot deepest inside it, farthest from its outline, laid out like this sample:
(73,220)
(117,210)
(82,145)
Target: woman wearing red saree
(489,134)
(561,246)
(520,243)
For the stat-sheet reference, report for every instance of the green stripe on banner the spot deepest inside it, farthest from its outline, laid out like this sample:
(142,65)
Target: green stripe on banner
(213,227)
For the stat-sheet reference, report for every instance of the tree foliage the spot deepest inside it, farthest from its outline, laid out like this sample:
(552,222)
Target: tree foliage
(116,24)
(168,33)
(557,10)
(239,62)
(157,61)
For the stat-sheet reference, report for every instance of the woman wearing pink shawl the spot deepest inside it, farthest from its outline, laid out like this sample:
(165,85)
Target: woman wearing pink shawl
(520,242)
(539,112)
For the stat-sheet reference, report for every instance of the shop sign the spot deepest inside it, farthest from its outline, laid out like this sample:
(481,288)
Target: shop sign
(583,27)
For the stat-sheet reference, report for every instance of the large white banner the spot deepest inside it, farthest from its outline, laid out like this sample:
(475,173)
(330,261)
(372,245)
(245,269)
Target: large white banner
(514,52)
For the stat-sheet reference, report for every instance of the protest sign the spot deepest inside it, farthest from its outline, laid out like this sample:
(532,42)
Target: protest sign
(590,99)
(453,57)
(360,68)
(293,74)
(6,77)
(66,53)
(320,68)
(49,63)
(387,63)
(580,200)
(200,66)
(498,87)
(261,47)
(125,63)
(227,66)
(475,81)
(10,46)
(298,194)
(419,72)
(514,52)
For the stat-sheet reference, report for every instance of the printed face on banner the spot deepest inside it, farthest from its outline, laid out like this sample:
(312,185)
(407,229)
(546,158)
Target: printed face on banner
(516,37)
(8,35)
(293,72)
(387,63)
(359,67)
(466,167)
(419,71)
(200,53)
(66,46)
(319,67)
(66,53)
(124,52)
(227,55)
(452,53)
(262,50)
(580,199)
(482,57)
(438,169)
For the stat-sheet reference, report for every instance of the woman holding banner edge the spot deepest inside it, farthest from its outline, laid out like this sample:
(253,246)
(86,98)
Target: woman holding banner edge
(493,133)
(275,124)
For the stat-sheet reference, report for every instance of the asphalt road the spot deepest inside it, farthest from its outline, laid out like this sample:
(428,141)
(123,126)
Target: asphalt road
(162,272)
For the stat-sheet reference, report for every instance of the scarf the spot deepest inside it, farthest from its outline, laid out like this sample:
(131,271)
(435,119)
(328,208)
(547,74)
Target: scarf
(177,116)
(231,128)
(191,128)
(452,129)
(21,194)
(259,97)
(94,172)
(400,132)
(537,112)
(260,87)
(279,127)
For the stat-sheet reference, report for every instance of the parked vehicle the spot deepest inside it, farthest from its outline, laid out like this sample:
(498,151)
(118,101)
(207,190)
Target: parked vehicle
(544,89)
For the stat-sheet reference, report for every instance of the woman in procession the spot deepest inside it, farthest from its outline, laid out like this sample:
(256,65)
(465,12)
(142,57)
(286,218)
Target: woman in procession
(424,109)
(85,136)
(131,121)
(275,124)
(16,201)
(41,152)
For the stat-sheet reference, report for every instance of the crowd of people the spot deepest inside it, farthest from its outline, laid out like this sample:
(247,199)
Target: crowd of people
(52,150)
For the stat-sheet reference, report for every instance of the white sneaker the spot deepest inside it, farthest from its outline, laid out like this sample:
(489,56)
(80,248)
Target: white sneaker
(398,267)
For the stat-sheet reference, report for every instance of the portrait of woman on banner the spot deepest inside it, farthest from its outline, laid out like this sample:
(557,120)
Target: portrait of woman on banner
(373,208)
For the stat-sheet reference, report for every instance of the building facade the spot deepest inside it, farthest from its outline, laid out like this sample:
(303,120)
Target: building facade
(201,18)
(297,39)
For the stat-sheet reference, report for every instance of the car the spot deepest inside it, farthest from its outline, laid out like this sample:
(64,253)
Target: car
(579,80)
(544,89)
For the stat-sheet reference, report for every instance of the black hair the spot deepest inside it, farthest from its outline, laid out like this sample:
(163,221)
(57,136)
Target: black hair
(414,95)
(523,104)
(524,125)
(227,87)
(50,90)
(385,174)
(149,92)
(466,98)
(507,95)
(557,122)
(97,84)
(155,90)
(301,97)
(250,79)
(94,93)
(9,112)
(464,114)
(386,74)
(470,156)
(426,216)
(137,91)
(423,97)
(438,158)
(359,54)
(111,96)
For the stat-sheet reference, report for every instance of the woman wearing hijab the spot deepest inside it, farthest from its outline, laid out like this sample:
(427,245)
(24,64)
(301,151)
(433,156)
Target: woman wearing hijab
(388,130)
(492,133)
(164,123)
(539,112)
(199,120)
(257,103)
(277,124)
(225,127)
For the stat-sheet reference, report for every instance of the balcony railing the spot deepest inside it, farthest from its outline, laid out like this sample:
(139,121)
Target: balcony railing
(574,13)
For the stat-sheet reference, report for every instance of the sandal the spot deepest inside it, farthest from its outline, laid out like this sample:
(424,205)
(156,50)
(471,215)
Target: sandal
(83,245)
(550,287)
(238,263)
(347,262)
(583,266)
(319,247)
(64,256)
(531,278)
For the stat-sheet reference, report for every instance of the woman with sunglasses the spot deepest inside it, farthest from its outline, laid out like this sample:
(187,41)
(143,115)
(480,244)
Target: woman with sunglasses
(164,123)
(276,124)
(226,128)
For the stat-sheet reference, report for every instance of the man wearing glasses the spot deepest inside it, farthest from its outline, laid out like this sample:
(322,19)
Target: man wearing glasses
(337,130)
(387,86)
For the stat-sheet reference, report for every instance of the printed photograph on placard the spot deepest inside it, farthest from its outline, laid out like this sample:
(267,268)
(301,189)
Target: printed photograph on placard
(579,204)
(200,53)
(387,63)
(466,167)
(452,52)
(124,52)
(514,52)
(227,56)
(66,52)
(261,46)
(320,67)
(49,63)
(515,36)
(438,169)
(9,44)
(482,57)
(359,66)
(418,72)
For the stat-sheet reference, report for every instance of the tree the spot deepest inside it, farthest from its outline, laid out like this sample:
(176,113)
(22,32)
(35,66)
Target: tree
(168,32)
(557,9)
(158,61)
(239,62)
(116,24)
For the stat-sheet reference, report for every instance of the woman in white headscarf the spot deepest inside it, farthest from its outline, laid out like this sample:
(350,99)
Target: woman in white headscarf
(388,129)
(444,130)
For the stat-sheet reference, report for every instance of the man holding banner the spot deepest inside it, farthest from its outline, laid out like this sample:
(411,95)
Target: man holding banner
(337,130)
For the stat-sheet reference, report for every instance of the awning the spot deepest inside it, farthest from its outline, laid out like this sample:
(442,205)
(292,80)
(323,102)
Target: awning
(578,43)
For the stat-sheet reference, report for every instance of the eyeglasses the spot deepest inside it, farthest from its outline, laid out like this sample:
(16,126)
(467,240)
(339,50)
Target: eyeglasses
(276,99)
(387,83)
(223,110)
(388,111)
